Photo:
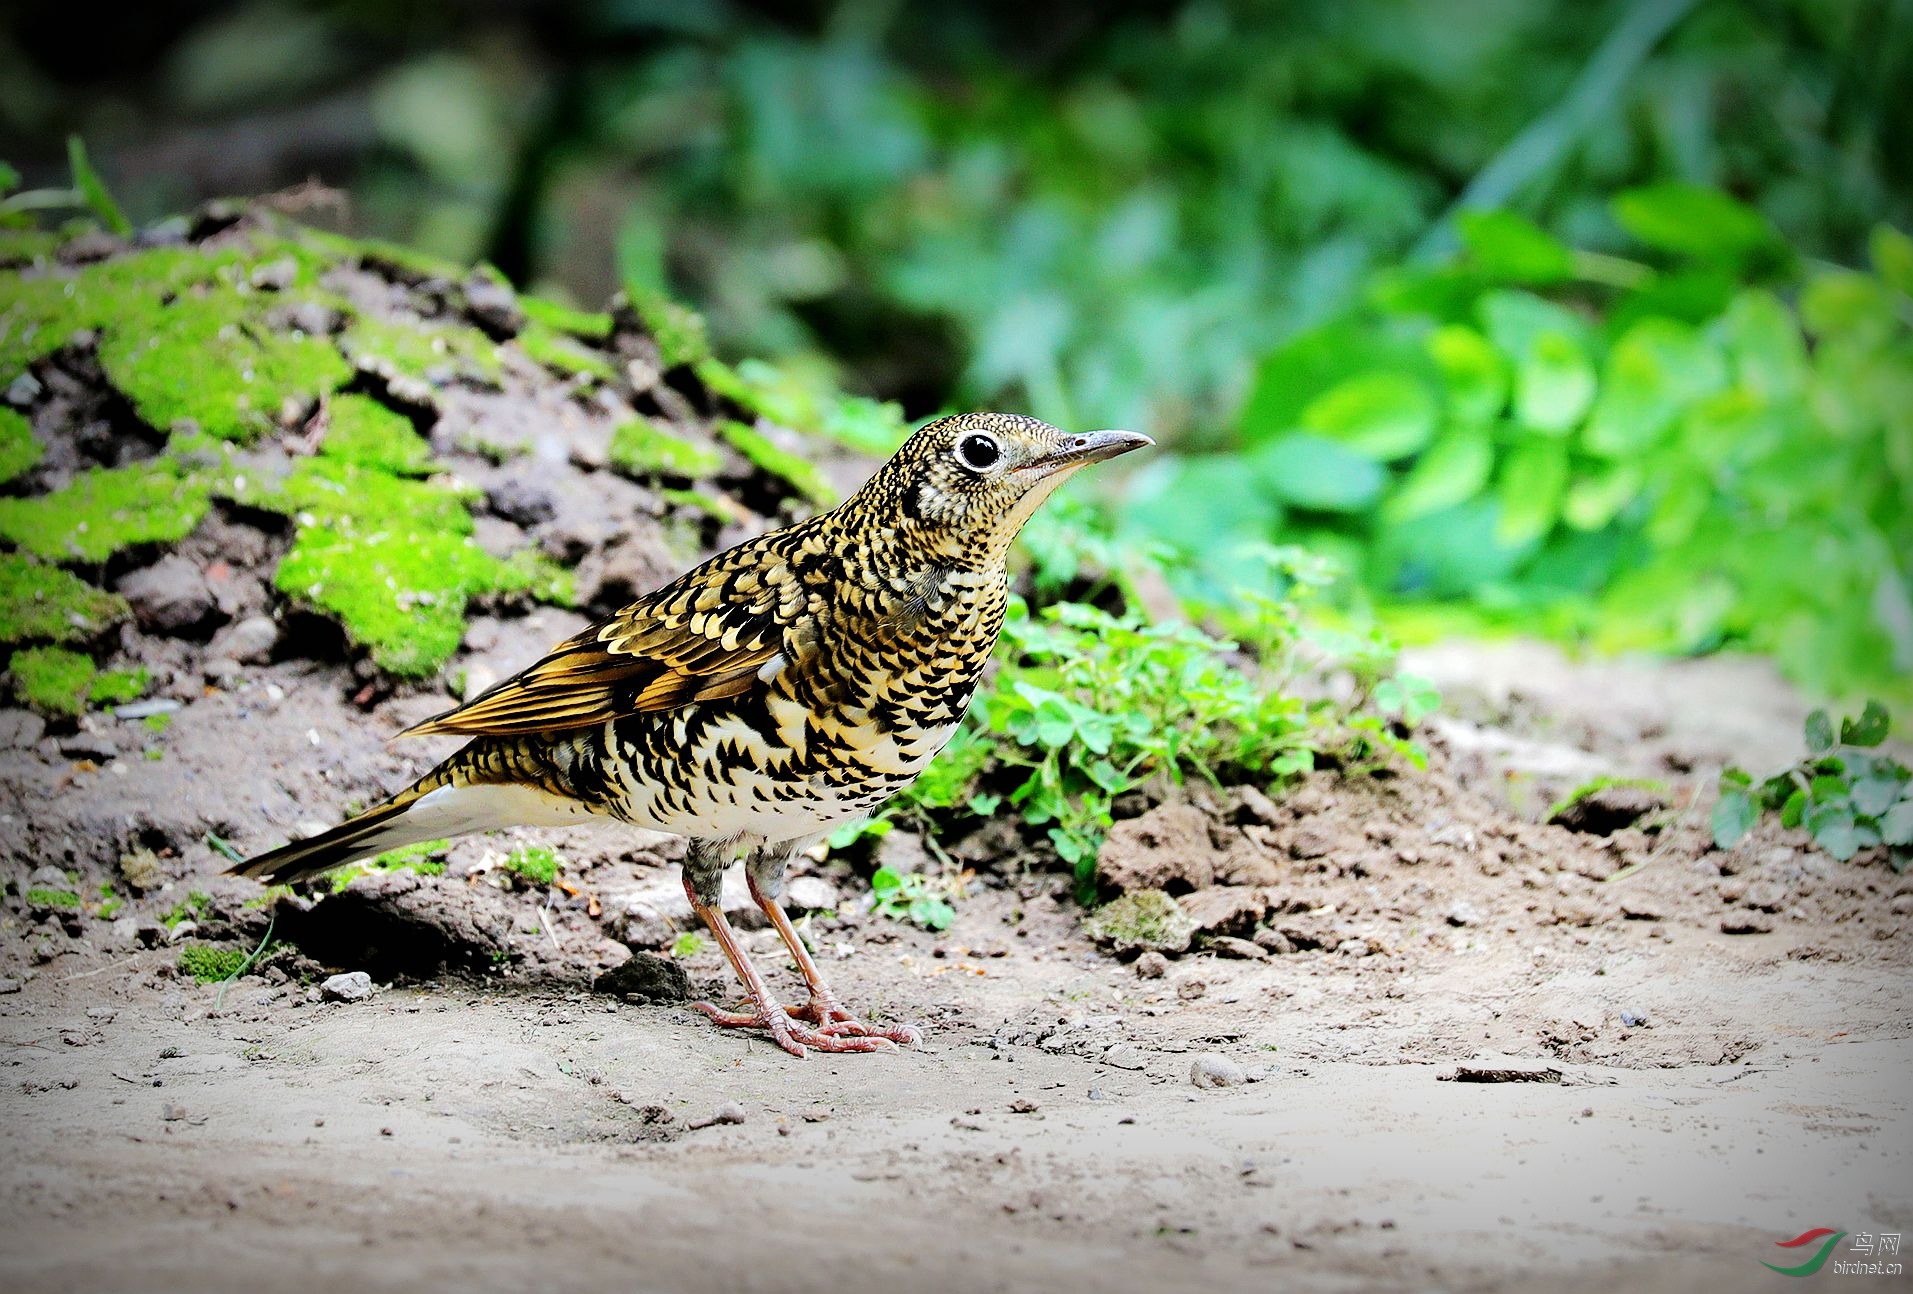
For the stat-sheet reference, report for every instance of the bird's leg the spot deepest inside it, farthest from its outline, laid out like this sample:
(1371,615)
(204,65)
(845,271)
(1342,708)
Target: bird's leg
(701,881)
(766,875)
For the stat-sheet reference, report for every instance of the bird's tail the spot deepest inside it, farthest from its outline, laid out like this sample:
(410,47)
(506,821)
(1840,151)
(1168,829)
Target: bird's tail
(471,791)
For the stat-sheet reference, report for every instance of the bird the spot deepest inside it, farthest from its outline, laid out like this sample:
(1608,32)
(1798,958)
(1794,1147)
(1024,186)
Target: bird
(784,687)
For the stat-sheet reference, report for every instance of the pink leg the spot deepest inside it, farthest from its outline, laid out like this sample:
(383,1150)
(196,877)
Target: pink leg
(824,1010)
(766,1014)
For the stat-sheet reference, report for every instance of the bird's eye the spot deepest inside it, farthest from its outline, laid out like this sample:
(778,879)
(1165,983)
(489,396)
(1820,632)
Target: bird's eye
(978,452)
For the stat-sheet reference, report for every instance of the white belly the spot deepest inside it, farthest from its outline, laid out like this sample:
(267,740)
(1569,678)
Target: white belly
(759,797)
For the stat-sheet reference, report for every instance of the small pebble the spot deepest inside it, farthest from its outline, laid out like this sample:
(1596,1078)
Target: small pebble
(1152,965)
(353,986)
(1191,989)
(1210,1070)
(731,1113)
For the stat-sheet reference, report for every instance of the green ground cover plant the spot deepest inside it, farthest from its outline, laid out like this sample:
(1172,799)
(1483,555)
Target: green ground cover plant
(1704,444)
(1847,792)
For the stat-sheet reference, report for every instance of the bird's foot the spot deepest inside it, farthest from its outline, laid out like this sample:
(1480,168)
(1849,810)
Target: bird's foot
(832,1018)
(792,1034)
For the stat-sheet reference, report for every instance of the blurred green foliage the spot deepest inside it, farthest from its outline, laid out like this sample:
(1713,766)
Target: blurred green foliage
(1105,214)
(1711,444)
(1534,320)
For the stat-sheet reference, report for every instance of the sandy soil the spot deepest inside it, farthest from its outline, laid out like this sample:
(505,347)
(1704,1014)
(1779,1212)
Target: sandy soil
(1710,1093)
(1719,1042)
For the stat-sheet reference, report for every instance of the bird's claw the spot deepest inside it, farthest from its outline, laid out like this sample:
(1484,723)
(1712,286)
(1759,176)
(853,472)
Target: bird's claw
(795,1036)
(831,1018)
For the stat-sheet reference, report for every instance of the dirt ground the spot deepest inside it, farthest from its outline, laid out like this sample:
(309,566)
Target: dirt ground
(1704,1093)
(1712,1048)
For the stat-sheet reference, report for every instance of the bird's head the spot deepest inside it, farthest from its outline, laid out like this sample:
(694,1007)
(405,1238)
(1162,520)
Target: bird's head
(964,485)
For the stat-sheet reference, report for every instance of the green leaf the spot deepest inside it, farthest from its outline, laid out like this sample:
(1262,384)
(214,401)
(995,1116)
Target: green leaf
(1510,246)
(1869,729)
(1764,342)
(1553,384)
(1827,788)
(1847,305)
(1655,370)
(1734,816)
(93,188)
(1596,498)
(1892,257)
(1199,503)
(1450,553)
(1896,824)
(1819,732)
(1383,415)
(1516,320)
(1473,374)
(885,880)
(1735,778)
(1532,482)
(1454,470)
(1310,363)
(9,179)
(1873,796)
(1317,474)
(1833,829)
(1794,810)
(1692,220)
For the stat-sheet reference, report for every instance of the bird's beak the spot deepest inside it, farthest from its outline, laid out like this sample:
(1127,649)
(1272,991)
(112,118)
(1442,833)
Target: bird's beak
(1089,447)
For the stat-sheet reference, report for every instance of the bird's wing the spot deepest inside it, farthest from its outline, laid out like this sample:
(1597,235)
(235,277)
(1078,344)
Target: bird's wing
(709,634)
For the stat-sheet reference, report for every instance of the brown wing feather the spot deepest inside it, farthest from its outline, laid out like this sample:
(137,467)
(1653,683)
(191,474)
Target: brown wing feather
(702,637)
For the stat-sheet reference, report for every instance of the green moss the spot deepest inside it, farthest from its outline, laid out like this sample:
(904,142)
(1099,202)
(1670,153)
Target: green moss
(642,448)
(390,558)
(52,679)
(1604,782)
(426,858)
(714,505)
(25,246)
(107,509)
(60,900)
(209,357)
(196,906)
(783,395)
(364,432)
(432,354)
(401,590)
(18,449)
(678,331)
(110,908)
(534,864)
(63,682)
(497,451)
(794,470)
(40,603)
(184,335)
(117,686)
(592,326)
(410,263)
(210,965)
(42,311)
(564,354)
(1142,920)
